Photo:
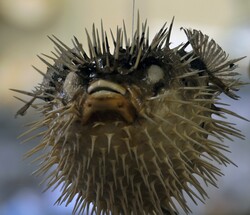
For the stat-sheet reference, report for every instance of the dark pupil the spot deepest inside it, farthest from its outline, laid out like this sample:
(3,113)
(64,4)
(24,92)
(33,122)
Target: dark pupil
(157,87)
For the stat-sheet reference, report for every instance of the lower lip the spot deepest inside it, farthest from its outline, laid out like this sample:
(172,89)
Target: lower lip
(106,101)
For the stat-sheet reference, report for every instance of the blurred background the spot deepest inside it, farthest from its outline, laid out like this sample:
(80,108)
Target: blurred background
(24,26)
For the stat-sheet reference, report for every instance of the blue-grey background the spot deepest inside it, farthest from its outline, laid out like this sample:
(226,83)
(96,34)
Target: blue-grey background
(24,26)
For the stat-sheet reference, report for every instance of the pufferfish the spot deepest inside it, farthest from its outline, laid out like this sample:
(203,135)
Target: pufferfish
(137,129)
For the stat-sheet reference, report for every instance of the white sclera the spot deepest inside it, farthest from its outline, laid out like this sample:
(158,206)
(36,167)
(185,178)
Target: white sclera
(71,84)
(155,74)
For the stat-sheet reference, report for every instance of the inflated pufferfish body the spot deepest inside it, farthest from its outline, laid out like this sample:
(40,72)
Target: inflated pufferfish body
(127,130)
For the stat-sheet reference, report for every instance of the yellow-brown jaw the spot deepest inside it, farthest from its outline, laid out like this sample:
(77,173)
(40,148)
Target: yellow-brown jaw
(128,131)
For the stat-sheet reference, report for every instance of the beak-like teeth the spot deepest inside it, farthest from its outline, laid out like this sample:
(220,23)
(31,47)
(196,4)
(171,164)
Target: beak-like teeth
(106,85)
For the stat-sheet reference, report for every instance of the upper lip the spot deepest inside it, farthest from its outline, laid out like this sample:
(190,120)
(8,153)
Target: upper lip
(104,85)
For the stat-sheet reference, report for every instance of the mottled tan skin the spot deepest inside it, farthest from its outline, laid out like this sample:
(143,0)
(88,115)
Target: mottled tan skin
(128,132)
(143,163)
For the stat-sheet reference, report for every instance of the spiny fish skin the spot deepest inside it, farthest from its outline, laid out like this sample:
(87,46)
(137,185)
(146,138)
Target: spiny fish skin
(127,130)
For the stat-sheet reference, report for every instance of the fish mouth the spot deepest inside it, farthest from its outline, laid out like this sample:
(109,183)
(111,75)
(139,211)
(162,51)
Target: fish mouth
(107,101)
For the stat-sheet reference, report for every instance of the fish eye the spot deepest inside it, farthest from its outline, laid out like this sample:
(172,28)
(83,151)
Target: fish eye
(155,74)
(71,84)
